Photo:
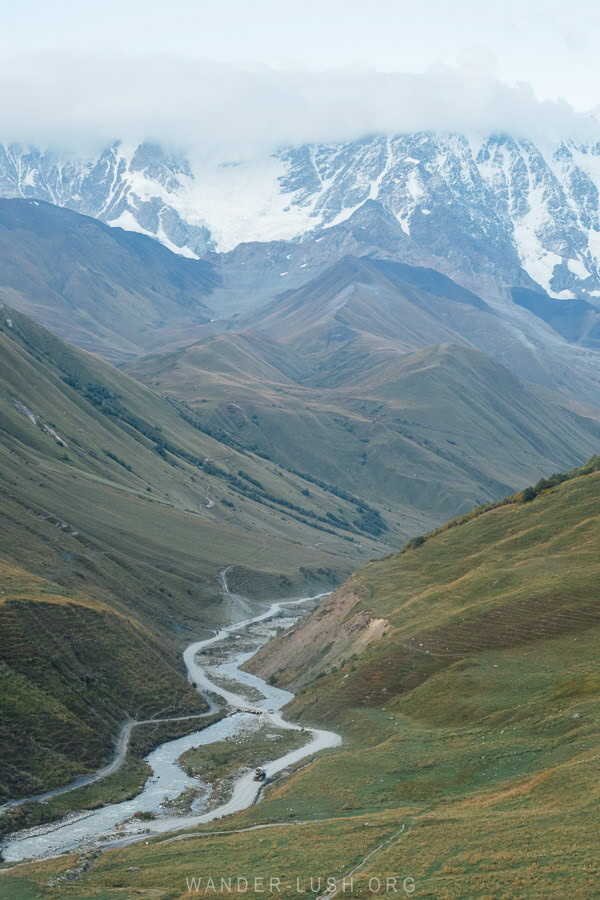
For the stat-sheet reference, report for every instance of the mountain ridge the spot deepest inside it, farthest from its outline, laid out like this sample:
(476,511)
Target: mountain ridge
(416,306)
(499,210)
(106,289)
(422,432)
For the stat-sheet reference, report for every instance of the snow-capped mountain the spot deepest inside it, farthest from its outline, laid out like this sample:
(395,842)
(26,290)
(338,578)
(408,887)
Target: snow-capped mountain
(495,208)
(142,189)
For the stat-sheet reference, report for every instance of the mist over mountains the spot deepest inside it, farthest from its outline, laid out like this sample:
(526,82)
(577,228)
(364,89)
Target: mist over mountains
(248,108)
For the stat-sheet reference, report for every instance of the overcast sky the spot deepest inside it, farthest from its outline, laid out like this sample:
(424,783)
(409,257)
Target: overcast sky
(73,69)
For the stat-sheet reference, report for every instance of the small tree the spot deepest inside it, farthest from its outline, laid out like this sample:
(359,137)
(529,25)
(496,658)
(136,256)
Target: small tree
(528,495)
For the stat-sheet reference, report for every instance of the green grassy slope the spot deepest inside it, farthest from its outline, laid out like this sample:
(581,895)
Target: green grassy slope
(465,674)
(126,510)
(109,291)
(421,435)
(71,667)
(518,573)
(465,679)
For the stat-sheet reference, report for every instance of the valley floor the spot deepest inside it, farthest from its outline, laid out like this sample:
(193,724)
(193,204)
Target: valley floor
(471,732)
(459,811)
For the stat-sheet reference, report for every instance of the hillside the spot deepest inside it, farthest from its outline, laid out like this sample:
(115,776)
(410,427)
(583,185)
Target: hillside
(463,674)
(421,435)
(73,667)
(414,305)
(113,292)
(492,579)
(118,510)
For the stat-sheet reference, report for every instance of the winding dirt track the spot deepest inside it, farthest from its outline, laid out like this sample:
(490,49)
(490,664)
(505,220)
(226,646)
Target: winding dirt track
(339,884)
(121,744)
(121,748)
(245,790)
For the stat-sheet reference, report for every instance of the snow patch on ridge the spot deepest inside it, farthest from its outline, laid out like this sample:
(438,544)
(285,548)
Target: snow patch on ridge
(128,222)
(578,268)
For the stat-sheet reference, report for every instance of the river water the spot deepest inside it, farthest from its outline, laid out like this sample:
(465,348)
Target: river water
(113,825)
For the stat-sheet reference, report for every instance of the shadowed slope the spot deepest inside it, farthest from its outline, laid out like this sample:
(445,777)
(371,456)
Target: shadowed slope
(110,291)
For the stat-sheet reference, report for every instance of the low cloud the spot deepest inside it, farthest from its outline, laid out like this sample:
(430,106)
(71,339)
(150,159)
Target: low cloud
(77,103)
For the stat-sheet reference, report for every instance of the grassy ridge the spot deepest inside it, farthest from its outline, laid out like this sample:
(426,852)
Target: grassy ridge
(110,291)
(513,575)
(525,496)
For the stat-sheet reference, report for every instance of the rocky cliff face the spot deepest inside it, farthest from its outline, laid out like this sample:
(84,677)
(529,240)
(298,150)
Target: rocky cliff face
(338,628)
(500,210)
